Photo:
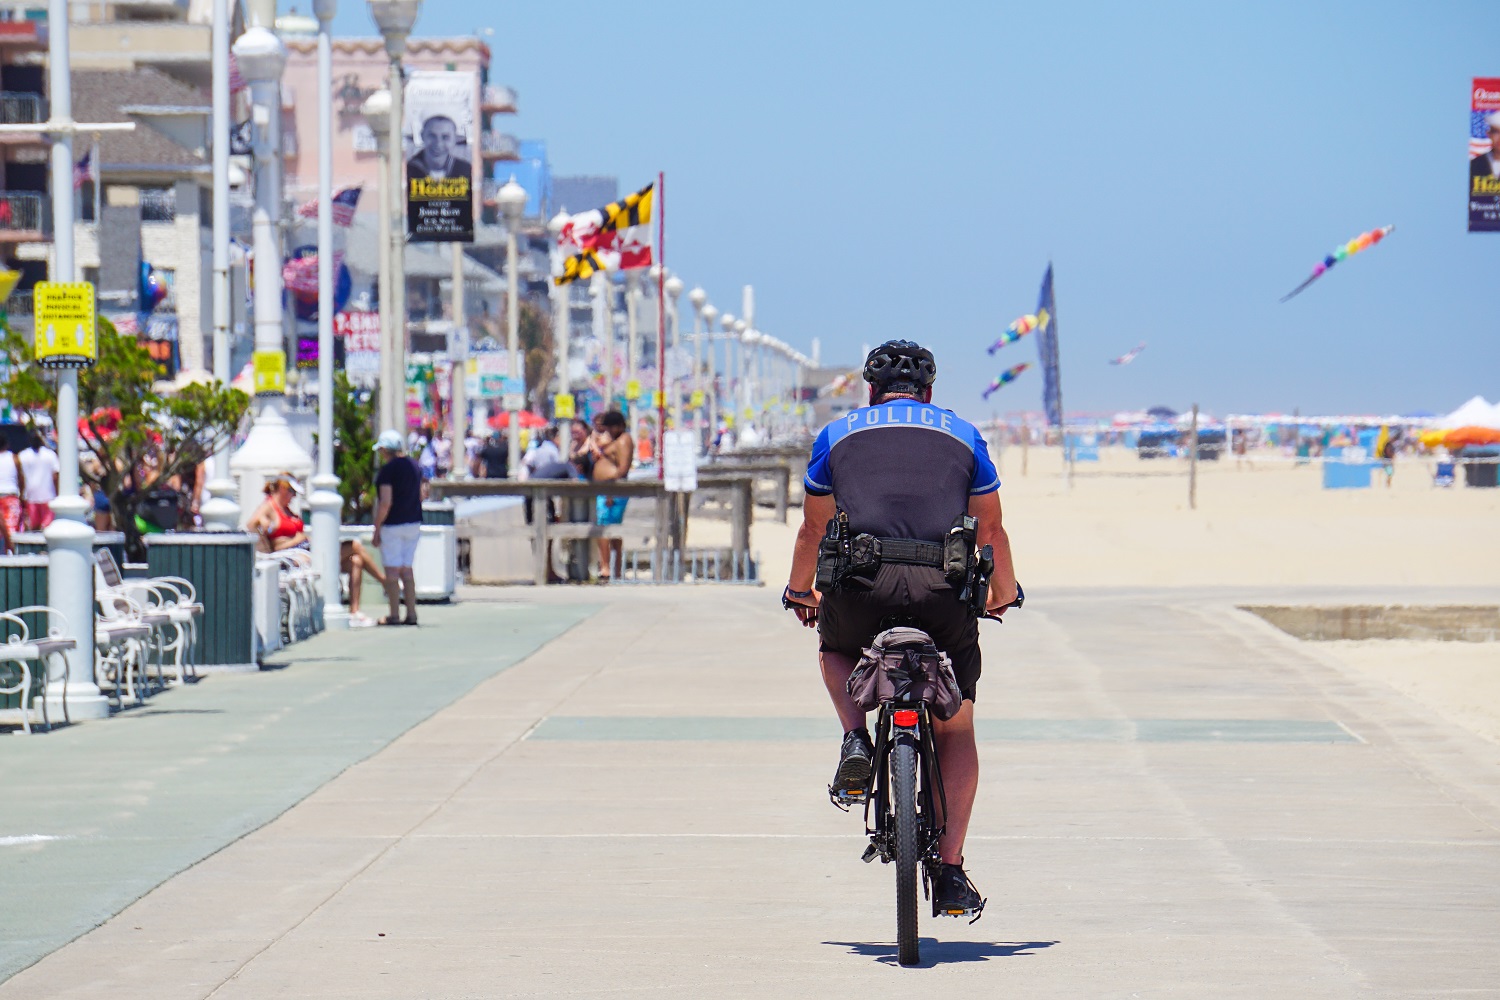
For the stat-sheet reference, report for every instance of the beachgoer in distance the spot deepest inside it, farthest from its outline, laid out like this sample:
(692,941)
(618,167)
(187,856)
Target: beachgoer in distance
(41,472)
(612,452)
(398,525)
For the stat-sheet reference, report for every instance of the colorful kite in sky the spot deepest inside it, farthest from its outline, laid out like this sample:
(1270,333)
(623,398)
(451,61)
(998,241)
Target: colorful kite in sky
(1129,355)
(1006,377)
(1019,329)
(1354,246)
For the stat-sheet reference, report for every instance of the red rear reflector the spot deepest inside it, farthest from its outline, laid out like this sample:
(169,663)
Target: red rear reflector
(906,717)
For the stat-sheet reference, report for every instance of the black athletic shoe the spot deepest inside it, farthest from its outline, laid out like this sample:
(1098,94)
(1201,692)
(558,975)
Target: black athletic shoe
(851,782)
(953,895)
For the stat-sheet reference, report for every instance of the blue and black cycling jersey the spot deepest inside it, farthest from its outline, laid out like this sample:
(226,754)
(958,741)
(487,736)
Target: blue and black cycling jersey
(901,469)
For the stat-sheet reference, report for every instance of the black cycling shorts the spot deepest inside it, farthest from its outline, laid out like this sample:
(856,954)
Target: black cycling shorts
(850,617)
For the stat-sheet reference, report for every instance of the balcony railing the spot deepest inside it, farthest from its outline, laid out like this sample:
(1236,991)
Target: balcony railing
(499,146)
(22,109)
(494,98)
(489,190)
(25,212)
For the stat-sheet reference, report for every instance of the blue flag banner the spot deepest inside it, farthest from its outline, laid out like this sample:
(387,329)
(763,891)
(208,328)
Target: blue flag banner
(1046,343)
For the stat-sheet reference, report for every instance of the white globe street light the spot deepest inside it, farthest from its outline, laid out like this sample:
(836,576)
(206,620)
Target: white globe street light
(325,500)
(512,199)
(394,18)
(562,320)
(270,447)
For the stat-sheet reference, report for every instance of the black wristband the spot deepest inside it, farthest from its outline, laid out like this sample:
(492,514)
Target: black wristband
(800,595)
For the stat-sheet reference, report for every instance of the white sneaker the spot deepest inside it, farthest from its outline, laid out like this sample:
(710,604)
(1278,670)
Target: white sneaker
(361,620)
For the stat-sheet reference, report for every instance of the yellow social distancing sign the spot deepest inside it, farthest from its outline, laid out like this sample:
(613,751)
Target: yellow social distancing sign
(67,326)
(564,407)
(269,368)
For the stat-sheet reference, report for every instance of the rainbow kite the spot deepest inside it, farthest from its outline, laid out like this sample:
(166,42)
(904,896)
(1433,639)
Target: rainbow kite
(1354,246)
(1019,329)
(1006,377)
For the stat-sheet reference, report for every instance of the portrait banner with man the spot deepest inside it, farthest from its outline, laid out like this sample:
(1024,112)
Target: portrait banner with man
(439,137)
(1484,156)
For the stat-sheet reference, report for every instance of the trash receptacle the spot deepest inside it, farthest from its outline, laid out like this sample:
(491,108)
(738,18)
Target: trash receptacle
(1481,467)
(221,567)
(32,543)
(23,581)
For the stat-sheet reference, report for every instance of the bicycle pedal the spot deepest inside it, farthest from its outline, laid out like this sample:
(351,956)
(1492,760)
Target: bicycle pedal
(848,799)
(871,853)
(976,912)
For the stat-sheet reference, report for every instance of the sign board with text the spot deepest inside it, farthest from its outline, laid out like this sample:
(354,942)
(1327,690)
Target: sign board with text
(269,370)
(66,324)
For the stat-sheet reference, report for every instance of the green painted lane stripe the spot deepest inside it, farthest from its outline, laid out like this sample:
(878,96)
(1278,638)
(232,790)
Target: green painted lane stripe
(762,728)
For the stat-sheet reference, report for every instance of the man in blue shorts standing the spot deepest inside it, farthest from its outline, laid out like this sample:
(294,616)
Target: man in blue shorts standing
(612,450)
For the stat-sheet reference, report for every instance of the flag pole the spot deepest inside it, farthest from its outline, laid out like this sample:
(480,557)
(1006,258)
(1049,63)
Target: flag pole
(661,322)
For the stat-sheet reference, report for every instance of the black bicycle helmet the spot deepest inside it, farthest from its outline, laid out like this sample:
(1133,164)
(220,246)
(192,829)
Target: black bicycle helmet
(900,366)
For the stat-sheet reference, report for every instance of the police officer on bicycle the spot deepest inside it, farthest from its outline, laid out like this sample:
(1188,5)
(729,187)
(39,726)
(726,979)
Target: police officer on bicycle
(903,471)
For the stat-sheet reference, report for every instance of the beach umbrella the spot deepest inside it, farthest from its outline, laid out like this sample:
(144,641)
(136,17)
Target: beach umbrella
(1461,437)
(527,419)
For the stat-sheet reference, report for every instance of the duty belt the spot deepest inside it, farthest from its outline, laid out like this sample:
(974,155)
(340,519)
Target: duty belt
(911,552)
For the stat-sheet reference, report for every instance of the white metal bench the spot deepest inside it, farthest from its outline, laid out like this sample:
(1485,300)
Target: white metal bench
(23,649)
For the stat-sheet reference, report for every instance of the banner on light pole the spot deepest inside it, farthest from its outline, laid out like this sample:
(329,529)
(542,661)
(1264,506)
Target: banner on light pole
(440,139)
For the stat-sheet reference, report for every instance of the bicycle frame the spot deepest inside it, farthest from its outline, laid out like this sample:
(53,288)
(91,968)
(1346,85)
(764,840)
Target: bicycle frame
(888,733)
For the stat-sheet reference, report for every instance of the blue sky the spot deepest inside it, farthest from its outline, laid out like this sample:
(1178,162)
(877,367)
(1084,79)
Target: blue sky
(899,170)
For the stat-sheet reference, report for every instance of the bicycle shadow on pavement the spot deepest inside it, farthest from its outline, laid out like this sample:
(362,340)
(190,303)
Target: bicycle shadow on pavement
(935,952)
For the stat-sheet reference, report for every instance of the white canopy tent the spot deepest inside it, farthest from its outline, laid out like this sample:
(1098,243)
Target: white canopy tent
(1475,413)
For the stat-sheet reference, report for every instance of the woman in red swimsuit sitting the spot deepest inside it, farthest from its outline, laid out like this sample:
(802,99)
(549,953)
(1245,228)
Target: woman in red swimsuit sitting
(280,529)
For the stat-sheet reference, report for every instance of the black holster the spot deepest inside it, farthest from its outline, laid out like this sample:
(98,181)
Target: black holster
(834,554)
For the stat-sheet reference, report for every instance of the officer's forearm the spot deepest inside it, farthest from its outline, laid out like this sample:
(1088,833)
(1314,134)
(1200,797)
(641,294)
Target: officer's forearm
(805,557)
(817,511)
(1003,581)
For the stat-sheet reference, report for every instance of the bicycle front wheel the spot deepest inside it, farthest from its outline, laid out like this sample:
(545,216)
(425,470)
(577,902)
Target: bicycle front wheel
(904,796)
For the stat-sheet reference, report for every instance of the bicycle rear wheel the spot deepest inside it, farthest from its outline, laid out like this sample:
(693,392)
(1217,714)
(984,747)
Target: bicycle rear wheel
(904,795)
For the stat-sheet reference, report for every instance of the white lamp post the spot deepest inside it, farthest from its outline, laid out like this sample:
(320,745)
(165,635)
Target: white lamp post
(377,114)
(219,510)
(270,447)
(562,319)
(711,373)
(326,503)
(395,18)
(731,367)
(70,538)
(697,298)
(742,397)
(673,287)
(512,199)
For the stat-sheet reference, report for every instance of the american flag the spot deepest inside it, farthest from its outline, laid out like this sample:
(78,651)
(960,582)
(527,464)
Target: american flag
(342,206)
(1479,133)
(83,170)
(301,274)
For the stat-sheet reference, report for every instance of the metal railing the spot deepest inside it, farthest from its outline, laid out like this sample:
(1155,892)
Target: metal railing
(25,212)
(22,109)
(158,204)
(499,146)
(495,98)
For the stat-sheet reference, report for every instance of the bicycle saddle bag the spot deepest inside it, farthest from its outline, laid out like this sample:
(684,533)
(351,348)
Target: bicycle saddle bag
(904,665)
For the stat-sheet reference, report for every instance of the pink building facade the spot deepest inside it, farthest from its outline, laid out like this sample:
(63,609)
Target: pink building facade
(360,69)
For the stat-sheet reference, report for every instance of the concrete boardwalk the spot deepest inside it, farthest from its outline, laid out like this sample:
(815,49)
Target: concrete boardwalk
(1177,801)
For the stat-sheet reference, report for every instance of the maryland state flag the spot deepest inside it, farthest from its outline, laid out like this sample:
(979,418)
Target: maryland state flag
(616,237)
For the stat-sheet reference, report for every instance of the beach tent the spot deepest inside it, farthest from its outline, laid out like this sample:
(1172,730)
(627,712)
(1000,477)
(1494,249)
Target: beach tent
(1475,413)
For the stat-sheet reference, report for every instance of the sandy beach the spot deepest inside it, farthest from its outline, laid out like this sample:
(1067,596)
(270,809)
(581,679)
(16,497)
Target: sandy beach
(1263,523)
